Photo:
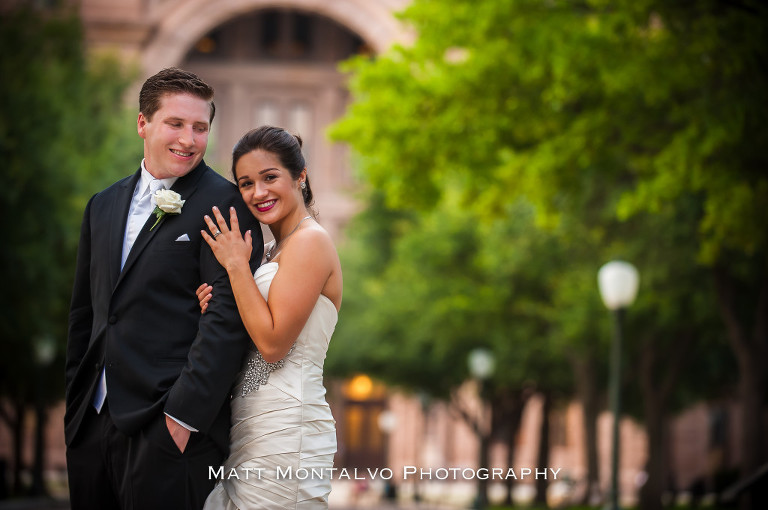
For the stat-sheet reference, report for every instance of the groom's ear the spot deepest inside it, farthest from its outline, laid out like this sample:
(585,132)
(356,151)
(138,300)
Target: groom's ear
(141,125)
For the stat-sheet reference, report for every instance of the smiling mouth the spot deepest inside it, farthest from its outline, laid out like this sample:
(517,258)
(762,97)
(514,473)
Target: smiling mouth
(265,206)
(181,153)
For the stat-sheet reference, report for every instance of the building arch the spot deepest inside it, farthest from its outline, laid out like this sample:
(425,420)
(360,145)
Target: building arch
(179,24)
(303,96)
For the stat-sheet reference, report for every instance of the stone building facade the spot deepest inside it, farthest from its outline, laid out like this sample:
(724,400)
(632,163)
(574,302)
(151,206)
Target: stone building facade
(270,61)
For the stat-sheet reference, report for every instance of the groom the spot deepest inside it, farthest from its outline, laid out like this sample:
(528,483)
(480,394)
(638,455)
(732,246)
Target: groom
(148,377)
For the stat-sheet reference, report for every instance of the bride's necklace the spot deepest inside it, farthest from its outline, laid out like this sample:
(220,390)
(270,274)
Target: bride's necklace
(273,250)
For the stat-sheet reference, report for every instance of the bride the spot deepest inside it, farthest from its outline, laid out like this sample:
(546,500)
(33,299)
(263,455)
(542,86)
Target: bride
(281,422)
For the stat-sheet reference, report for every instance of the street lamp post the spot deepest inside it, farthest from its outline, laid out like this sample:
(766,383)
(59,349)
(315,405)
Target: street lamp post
(482,365)
(387,422)
(618,282)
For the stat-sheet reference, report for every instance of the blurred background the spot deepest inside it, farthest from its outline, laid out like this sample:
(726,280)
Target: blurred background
(478,162)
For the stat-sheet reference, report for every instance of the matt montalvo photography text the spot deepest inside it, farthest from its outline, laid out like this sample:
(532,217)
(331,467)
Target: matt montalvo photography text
(408,473)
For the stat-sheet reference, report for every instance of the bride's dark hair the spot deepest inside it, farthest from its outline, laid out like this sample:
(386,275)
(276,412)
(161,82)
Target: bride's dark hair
(281,143)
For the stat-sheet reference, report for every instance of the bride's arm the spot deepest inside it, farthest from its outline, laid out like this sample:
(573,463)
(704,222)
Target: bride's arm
(275,324)
(305,265)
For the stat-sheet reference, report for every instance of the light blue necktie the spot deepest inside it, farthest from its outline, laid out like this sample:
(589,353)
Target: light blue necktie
(139,215)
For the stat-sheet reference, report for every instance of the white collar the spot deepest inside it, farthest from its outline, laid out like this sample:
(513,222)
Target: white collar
(146,177)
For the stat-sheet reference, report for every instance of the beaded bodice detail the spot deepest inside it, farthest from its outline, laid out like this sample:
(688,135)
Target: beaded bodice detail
(257,371)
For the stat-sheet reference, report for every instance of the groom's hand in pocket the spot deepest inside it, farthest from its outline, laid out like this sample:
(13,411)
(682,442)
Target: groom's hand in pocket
(179,434)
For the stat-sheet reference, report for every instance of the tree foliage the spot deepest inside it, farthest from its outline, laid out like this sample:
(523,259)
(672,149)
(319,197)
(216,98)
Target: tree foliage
(526,97)
(629,129)
(560,102)
(448,286)
(63,135)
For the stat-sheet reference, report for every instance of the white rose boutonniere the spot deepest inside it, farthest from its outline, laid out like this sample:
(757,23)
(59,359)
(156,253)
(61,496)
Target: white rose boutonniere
(168,202)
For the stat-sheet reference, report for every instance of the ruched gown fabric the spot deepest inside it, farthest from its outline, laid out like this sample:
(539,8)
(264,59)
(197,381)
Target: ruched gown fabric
(286,423)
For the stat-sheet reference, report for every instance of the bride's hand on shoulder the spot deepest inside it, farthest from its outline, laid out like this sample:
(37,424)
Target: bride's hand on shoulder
(204,293)
(229,246)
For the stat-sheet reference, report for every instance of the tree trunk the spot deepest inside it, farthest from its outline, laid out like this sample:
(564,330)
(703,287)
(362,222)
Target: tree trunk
(655,468)
(482,482)
(38,468)
(513,427)
(751,349)
(656,388)
(482,426)
(587,393)
(507,414)
(752,394)
(509,482)
(10,422)
(18,438)
(543,456)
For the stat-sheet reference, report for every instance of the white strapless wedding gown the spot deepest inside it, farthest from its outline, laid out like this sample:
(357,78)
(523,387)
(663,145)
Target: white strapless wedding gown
(283,436)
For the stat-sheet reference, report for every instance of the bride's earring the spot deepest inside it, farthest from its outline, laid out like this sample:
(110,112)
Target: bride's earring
(303,185)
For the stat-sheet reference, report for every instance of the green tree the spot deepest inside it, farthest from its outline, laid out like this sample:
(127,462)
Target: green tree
(423,291)
(674,335)
(63,135)
(608,116)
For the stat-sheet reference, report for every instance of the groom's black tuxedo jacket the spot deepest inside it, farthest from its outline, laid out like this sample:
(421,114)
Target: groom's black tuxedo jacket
(144,323)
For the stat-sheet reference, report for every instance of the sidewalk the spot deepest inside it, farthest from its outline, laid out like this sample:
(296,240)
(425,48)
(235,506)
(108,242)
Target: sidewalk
(47,504)
(344,496)
(34,504)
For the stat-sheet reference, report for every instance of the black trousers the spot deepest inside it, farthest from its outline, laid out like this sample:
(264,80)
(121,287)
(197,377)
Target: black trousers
(110,470)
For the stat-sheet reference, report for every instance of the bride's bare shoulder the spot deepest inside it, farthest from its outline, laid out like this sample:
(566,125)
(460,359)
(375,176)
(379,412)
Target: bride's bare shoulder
(312,241)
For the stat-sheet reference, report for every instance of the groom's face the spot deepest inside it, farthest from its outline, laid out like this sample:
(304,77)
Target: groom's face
(176,136)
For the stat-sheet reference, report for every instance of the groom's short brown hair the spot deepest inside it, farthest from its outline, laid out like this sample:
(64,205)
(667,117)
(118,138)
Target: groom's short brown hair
(172,80)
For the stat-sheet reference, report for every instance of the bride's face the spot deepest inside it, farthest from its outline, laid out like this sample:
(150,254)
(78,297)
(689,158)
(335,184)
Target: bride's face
(268,188)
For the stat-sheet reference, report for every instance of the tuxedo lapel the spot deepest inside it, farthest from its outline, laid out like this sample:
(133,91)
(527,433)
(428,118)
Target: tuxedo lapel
(121,205)
(184,186)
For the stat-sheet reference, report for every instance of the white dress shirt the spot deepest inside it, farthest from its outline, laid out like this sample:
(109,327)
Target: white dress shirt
(142,205)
